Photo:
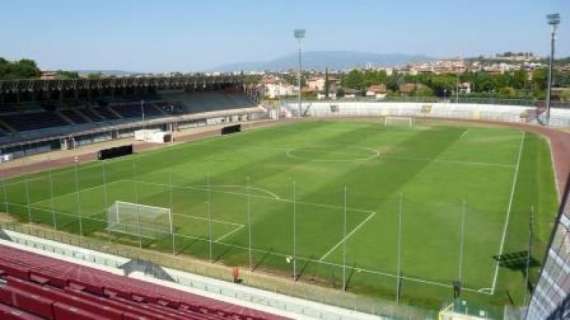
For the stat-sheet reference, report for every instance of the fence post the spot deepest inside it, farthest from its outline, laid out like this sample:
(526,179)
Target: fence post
(171,205)
(52,203)
(77,197)
(294,233)
(5,193)
(134,174)
(399,259)
(344,242)
(210,243)
(29,210)
(462,241)
(249,226)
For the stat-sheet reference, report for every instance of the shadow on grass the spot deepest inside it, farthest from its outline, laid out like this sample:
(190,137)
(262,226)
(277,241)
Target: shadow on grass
(263,259)
(304,267)
(220,256)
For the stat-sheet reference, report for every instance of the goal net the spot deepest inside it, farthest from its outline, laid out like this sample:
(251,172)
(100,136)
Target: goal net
(139,220)
(392,121)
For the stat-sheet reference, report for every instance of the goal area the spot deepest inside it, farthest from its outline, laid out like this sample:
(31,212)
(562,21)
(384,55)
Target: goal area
(139,220)
(398,121)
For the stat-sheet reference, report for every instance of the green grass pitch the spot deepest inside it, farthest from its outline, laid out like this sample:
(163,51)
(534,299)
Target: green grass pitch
(432,174)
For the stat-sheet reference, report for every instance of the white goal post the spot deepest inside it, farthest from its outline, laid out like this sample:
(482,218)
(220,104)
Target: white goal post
(390,121)
(139,220)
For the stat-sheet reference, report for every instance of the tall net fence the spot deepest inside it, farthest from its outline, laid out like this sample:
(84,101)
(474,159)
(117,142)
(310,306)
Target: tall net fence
(284,230)
(551,295)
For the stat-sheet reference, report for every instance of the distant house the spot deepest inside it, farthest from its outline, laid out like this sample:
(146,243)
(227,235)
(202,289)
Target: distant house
(317,84)
(275,87)
(48,75)
(465,88)
(377,91)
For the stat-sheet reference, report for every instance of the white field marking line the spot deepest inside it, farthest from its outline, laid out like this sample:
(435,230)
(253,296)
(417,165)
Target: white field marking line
(271,194)
(235,224)
(363,222)
(284,255)
(504,236)
(229,233)
(459,162)
(464,134)
(388,156)
(259,197)
(75,192)
(356,269)
(375,154)
(63,212)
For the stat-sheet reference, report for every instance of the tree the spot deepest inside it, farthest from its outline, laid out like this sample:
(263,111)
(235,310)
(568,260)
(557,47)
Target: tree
(520,78)
(22,69)
(423,91)
(507,92)
(539,77)
(354,80)
(66,75)
(94,75)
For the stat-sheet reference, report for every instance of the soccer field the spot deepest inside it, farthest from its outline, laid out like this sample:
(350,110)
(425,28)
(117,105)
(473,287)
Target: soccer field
(434,203)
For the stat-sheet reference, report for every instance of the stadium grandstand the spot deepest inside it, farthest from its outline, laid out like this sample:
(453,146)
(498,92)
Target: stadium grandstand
(39,116)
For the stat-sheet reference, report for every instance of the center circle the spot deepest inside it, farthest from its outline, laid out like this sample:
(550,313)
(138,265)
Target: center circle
(333,154)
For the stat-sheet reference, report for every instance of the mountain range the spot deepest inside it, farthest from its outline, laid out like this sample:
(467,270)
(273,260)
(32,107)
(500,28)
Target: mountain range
(319,60)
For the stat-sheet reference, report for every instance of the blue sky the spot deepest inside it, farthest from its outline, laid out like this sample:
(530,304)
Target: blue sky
(179,35)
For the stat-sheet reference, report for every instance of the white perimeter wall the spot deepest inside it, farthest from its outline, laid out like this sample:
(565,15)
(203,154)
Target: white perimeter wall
(506,113)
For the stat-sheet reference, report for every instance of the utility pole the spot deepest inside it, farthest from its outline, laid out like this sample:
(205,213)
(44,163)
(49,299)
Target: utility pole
(294,233)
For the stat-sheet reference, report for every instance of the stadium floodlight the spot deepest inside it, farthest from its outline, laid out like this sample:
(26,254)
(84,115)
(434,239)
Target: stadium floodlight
(553,21)
(300,35)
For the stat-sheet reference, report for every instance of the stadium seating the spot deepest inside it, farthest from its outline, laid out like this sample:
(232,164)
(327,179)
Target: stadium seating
(106,113)
(91,115)
(33,120)
(74,116)
(40,287)
(133,110)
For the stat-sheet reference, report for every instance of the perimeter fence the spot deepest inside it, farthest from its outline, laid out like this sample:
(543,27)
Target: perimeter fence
(287,232)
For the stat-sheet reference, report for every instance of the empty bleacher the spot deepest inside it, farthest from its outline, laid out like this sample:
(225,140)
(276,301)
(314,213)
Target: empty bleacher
(106,113)
(133,110)
(91,115)
(74,116)
(38,120)
(33,120)
(40,287)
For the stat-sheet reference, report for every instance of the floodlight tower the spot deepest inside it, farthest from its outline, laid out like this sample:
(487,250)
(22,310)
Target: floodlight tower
(553,21)
(300,35)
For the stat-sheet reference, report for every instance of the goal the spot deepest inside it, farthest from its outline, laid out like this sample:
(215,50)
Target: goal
(139,220)
(392,121)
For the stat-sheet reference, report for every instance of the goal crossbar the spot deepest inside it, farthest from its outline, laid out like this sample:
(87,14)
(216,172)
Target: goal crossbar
(399,120)
(139,219)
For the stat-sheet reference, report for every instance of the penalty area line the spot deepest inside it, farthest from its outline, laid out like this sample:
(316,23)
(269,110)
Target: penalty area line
(225,236)
(362,223)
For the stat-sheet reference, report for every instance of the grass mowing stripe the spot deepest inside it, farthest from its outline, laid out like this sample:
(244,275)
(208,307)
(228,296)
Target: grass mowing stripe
(459,162)
(357,269)
(484,159)
(322,205)
(510,205)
